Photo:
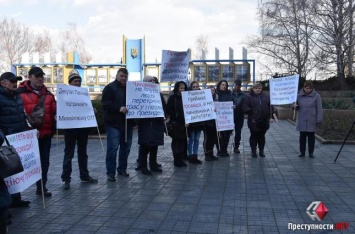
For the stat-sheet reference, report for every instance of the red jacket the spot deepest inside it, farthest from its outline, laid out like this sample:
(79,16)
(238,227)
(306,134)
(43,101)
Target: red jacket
(30,99)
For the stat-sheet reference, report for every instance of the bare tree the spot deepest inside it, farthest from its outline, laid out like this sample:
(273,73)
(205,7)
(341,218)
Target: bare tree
(15,40)
(43,44)
(201,45)
(285,35)
(72,41)
(334,35)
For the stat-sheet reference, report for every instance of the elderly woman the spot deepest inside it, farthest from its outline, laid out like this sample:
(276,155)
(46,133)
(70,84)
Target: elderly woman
(310,115)
(257,106)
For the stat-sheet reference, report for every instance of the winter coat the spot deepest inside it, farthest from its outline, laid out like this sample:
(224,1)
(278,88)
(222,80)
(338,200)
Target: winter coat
(224,96)
(258,109)
(176,113)
(12,115)
(151,130)
(175,109)
(238,99)
(30,99)
(113,98)
(310,111)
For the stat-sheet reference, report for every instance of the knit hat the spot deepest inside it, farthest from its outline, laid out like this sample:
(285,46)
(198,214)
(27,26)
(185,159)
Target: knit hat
(73,74)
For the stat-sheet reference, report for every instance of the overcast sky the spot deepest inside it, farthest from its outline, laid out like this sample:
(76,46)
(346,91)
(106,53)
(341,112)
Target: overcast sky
(166,24)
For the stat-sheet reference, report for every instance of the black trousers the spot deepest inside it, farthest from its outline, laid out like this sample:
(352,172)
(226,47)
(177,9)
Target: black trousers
(72,137)
(224,140)
(257,139)
(144,150)
(210,139)
(311,142)
(179,147)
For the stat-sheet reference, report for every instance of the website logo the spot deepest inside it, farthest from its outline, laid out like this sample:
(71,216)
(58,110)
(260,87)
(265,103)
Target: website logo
(317,210)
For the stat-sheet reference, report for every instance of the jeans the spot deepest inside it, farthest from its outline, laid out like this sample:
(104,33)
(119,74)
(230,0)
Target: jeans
(194,138)
(44,145)
(238,125)
(72,137)
(115,139)
(311,142)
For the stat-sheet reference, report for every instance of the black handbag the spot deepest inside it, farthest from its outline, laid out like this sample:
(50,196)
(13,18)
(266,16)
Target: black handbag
(10,162)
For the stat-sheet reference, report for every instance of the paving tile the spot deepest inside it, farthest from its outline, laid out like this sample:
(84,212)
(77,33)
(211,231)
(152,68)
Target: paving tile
(238,194)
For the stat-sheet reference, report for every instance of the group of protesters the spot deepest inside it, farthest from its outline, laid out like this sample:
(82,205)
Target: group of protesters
(19,102)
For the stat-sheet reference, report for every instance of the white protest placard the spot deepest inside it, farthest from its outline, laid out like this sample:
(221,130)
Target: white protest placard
(174,65)
(74,107)
(198,105)
(224,116)
(143,100)
(26,145)
(284,90)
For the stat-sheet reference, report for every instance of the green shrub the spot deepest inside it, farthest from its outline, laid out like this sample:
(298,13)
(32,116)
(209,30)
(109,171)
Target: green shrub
(99,117)
(337,104)
(334,129)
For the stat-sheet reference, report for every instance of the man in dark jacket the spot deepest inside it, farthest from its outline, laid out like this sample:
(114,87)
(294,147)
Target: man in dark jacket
(238,99)
(32,91)
(114,107)
(72,137)
(12,121)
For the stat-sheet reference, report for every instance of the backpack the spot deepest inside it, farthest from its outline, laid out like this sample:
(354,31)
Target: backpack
(36,118)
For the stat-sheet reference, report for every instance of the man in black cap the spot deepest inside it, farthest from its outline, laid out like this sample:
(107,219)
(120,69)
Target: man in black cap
(12,121)
(32,92)
(77,136)
(238,99)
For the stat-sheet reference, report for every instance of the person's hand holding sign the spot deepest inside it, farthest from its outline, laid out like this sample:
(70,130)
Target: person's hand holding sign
(123,110)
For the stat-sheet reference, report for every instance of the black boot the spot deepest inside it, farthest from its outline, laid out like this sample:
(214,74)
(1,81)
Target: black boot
(253,154)
(208,156)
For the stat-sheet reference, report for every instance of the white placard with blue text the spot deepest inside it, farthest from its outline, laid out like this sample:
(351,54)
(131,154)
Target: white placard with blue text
(284,90)
(74,107)
(198,105)
(174,65)
(143,100)
(224,116)
(26,145)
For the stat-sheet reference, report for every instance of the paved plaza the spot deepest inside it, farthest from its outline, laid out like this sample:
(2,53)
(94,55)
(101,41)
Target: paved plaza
(237,194)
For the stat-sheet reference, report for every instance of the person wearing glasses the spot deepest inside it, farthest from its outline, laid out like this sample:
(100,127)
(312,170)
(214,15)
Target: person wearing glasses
(31,92)
(150,136)
(194,133)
